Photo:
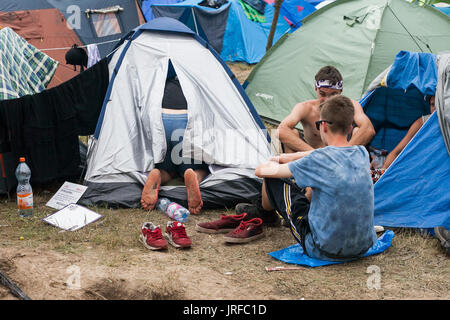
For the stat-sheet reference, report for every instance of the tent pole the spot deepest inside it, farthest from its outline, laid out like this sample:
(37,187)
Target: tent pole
(195,21)
(276,14)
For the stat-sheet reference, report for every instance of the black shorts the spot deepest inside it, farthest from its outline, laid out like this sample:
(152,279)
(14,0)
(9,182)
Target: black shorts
(289,200)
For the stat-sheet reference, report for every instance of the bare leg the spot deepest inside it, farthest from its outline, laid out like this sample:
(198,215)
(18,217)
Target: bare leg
(192,179)
(149,196)
(265,199)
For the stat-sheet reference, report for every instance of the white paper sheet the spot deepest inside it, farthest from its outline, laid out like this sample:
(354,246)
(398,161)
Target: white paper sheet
(72,217)
(67,194)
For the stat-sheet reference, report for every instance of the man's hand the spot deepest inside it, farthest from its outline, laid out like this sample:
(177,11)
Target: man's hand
(272,169)
(289,157)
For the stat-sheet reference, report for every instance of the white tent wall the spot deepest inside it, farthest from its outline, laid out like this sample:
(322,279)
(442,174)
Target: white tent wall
(221,130)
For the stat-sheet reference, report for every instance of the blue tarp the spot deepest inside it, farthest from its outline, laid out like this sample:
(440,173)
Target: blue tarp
(393,108)
(295,255)
(234,36)
(413,69)
(415,190)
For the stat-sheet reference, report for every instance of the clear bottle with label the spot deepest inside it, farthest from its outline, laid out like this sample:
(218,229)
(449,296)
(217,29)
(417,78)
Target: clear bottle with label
(173,209)
(24,190)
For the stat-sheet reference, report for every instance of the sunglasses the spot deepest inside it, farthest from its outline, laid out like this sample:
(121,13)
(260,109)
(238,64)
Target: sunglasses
(320,121)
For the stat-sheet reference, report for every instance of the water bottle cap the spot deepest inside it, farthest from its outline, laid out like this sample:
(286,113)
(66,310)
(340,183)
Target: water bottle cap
(22,159)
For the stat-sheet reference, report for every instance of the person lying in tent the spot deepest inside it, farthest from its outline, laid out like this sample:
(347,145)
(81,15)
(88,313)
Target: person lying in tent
(338,224)
(409,135)
(328,83)
(175,117)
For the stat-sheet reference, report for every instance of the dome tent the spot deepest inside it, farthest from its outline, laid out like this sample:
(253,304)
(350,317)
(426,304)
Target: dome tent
(223,128)
(359,38)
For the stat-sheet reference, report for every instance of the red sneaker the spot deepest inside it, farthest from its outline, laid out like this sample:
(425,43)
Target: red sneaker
(151,237)
(223,225)
(247,231)
(176,235)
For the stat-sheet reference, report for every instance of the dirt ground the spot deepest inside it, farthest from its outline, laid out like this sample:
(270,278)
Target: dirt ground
(105,261)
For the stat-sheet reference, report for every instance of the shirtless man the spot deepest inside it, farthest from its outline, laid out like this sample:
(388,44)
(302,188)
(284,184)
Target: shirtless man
(328,83)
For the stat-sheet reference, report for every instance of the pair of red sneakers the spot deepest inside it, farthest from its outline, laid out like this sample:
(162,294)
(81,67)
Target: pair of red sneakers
(152,238)
(238,229)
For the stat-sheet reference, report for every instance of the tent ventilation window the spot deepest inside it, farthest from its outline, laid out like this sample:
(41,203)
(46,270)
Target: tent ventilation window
(105,21)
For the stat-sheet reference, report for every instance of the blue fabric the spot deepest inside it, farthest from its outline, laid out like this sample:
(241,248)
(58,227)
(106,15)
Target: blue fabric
(294,11)
(341,211)
(244,40)
(393,108)
(147,7)
(295,255)
(174,127)
(392,112)
(415,190)
(413,69)
(445,10)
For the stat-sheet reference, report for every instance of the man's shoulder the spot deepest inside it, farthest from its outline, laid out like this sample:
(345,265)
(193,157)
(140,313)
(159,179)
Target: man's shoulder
(307,104)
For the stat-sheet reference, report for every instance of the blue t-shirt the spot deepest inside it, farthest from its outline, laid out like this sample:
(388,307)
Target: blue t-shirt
(342,204)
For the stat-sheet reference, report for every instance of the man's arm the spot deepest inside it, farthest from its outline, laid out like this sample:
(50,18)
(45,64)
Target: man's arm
(365,131)
(289,157)
(272,169)
(287,133)
(402,144)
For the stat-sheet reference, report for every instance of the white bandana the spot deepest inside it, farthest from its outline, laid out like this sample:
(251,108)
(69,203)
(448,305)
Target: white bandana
(329,84)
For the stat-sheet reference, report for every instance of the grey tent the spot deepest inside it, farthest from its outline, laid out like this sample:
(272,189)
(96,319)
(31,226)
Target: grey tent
(223,127)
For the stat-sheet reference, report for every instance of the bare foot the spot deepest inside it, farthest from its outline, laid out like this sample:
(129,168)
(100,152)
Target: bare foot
(150,191)
(194,196)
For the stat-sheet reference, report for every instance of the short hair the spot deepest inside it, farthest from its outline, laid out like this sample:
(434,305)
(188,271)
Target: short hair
(340,112)
(329,73)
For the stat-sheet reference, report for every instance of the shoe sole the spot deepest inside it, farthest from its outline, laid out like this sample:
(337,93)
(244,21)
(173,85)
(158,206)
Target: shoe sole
(212,231)
(176,245)
(142,240)
(243,240)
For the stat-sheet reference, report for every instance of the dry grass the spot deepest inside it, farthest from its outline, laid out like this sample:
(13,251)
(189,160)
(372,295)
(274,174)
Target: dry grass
(116,266)
(413,268)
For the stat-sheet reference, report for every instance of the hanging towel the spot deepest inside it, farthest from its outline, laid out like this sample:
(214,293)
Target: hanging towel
(93,55)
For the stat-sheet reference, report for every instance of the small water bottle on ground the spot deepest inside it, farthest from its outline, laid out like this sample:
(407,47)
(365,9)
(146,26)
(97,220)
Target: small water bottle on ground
(24,191)
(173,209)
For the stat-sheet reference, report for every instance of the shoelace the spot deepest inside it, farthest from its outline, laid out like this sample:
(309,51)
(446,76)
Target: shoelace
(180,232)
(155,234)
(242,226)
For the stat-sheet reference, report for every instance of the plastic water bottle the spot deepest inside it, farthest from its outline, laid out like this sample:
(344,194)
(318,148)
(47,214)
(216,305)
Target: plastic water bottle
(24,191)
(173,209)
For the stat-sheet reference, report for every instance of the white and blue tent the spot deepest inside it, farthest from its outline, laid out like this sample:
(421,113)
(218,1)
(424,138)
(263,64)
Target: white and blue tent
(223,128)
(415,190)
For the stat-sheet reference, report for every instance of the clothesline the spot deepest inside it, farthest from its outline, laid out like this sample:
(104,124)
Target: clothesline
(83,46)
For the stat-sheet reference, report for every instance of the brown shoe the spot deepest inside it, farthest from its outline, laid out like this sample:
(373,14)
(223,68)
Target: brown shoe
(247,231)
(223,225)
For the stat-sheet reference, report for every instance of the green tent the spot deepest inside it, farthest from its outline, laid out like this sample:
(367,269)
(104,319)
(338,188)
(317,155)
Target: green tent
(359,37)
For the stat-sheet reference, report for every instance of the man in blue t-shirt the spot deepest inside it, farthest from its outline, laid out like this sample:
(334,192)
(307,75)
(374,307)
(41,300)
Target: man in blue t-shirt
(338,222)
